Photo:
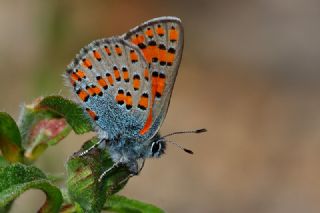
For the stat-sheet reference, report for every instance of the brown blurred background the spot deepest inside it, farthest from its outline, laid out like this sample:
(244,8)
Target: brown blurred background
(249,74)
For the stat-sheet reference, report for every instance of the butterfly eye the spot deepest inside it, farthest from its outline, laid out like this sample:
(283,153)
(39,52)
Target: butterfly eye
(155,148)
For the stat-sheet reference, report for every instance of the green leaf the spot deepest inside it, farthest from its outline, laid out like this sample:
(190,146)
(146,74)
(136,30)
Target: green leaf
(40,128)
(17,178)
(70,208)
(10,139)
(3,162)
(116,203)
(71,111)
(6,208)
(83,173)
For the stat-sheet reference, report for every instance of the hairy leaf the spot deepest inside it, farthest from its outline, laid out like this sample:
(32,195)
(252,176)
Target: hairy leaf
(3,162)
(40,128)
(83,178)
(10,139)
(72,112)
(18,178)
(116,203)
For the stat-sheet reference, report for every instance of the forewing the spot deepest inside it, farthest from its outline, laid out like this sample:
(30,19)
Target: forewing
(108,78)
(161,43)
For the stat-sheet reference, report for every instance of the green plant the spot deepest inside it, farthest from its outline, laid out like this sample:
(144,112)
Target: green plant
(45,123)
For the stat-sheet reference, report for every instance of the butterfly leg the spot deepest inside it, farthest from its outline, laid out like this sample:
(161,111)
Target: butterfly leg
(141,167)
(91,148)
(115,165)
(133,173)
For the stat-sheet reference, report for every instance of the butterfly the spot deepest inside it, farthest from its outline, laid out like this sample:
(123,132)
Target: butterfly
(124,84)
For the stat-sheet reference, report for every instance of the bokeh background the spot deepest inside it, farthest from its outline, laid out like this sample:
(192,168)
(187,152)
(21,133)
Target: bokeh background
(249,74)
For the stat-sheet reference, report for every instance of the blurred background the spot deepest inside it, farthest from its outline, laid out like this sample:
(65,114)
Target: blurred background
(249,74)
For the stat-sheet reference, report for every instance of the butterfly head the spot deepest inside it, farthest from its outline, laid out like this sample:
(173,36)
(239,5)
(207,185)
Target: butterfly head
(155,148)
(157,145)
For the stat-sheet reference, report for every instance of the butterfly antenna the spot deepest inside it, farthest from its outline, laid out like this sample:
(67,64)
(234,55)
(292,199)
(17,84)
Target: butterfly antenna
(185,132)
(179,146)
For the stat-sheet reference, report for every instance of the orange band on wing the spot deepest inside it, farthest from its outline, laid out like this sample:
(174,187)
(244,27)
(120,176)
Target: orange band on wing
(153,51)
(125,74)
(161,83)
(146,74)
(136,82)
(148,123)
(158,85)
(97,55)
(133,56)
(107,50)
(75,77)
(97,90)
(154,82)
(118,50)
(138,39)
(128,100)
(160,30)
(116,73)
(91,91)
(102,82)
(92,114)
(87,63)
(81,74)
(143,102)
(120,98)
(170,56)
(83,95)
(147,54)
(110,79)
(173,34)
(162,54)
(149,32)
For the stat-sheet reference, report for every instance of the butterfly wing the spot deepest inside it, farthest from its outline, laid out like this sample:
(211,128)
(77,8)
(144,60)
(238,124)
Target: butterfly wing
(108,76)
(161,43)
(125,83)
